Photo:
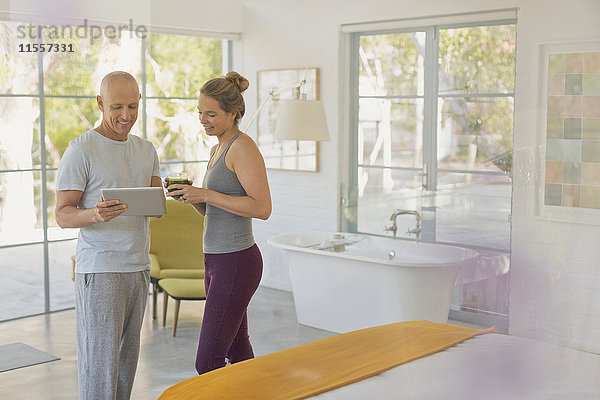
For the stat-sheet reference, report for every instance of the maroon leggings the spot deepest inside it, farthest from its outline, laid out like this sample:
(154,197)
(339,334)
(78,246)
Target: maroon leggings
(230,280)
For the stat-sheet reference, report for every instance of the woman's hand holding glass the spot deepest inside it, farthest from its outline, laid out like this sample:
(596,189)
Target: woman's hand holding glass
(186,192)
(176,178)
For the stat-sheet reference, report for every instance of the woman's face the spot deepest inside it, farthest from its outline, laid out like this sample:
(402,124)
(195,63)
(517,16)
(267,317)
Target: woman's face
(214,120)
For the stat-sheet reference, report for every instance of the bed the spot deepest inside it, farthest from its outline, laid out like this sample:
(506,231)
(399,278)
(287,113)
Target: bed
(407,360)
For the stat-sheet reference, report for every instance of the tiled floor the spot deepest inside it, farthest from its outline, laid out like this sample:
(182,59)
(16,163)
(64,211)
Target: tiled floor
(164,359)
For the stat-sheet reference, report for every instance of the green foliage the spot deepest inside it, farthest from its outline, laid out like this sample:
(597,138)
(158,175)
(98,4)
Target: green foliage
(178,65)
(71,73)
(67,118)
(396,57)
(472,60)
(478,59)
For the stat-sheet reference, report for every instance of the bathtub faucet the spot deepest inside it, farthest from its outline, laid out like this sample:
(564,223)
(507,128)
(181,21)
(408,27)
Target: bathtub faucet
(393,228)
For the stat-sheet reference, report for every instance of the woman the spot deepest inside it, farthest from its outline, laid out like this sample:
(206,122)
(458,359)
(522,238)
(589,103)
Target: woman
(235,190)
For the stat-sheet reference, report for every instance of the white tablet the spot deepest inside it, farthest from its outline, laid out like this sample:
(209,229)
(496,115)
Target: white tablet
(145,201)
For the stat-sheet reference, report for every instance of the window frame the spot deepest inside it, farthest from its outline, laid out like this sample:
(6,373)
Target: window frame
(350,105)
(227,39)
(349,119)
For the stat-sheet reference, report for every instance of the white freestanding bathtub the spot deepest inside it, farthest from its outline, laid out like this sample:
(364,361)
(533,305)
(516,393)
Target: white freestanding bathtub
(373,281)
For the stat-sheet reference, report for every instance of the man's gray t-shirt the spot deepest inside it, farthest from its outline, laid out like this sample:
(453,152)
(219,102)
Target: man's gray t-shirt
(90,163)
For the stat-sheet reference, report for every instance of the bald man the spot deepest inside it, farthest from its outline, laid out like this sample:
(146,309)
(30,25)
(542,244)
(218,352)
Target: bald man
(113,263)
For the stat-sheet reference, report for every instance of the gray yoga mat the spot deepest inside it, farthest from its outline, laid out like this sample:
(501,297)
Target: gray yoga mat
(18,355)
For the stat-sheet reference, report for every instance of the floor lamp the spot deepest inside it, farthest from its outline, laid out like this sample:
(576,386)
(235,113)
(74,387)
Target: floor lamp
(298,119)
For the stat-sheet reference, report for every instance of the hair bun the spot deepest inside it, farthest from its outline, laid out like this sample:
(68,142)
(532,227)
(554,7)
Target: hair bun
(238,80)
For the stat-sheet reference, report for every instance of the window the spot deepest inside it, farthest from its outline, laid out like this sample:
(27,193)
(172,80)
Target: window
(52,95)
(432,117)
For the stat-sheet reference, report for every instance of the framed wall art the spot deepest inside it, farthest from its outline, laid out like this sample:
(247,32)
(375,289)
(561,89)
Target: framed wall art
(570,120)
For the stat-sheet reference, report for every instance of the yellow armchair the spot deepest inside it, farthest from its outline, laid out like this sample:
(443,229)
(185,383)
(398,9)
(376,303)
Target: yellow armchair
(176,246)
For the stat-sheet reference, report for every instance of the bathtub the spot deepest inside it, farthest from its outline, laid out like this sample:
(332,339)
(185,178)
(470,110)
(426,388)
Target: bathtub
(373,281)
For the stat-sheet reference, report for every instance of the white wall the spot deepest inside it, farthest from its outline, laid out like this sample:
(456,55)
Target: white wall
(289,35)
(555,282)
(202,15)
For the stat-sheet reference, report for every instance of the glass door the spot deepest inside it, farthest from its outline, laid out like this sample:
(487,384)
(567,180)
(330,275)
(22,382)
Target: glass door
(434,123)
(390,137)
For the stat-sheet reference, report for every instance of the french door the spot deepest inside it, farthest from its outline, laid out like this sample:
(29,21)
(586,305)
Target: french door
(433,123)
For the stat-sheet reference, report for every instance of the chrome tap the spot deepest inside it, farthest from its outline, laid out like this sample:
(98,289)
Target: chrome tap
(393,228)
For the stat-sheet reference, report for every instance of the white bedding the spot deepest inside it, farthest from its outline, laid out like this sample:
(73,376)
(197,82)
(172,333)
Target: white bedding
(490,366)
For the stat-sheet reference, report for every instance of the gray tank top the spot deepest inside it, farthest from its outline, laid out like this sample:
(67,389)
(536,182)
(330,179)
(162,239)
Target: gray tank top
(225,232)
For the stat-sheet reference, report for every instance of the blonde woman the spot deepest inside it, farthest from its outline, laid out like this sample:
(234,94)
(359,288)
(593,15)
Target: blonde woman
(235,190)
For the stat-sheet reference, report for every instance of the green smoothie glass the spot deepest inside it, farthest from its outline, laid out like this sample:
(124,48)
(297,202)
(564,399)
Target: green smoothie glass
(180,177)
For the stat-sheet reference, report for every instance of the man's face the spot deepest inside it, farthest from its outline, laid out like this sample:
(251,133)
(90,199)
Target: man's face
(119,108)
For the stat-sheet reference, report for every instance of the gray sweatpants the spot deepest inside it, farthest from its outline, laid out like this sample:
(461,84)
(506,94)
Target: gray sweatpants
(109,309)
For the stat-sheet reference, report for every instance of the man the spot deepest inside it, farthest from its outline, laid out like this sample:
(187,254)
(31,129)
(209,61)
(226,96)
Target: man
(112,265)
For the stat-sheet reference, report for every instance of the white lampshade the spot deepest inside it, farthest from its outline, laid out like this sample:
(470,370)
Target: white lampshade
(301,120)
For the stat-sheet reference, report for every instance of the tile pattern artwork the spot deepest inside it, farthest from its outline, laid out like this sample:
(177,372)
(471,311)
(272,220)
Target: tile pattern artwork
(573,131)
